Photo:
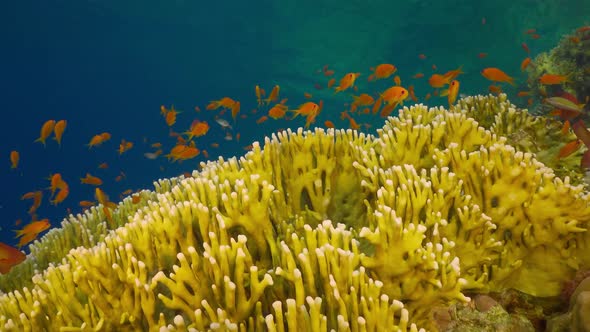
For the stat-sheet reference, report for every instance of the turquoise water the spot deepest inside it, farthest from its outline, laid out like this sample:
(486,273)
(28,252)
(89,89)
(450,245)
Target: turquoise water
(109,65)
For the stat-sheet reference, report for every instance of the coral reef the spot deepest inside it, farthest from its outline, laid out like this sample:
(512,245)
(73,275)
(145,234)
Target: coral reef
(317,230)
(571,58)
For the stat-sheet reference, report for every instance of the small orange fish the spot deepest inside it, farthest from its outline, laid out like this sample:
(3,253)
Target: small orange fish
(307,95)
(525,63)
(62,194)
(258,95)
(382,71)
(422,56)
(523,93)
(482,55)
(453,91)
(418,75)
(526,48)
(58,130)
(331,82)
(438,80)
(235,109)
(97,140)
(273,96)
(392,97)
(14,159)
(261,119)
(30,231)
(46,130)
(91,180)
(397,80)
(495,89)
(551,79)
(277,111)
(197,129)
(86,204)
(347,81)
(9,257)
(497,75)
(328,124)
(569,148)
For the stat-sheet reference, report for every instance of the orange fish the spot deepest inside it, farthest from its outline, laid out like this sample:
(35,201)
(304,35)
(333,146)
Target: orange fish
(261,119)
(46,130)
(382,71)
(9,257)
(363,100)
(497,75)
(482,55)
(452,74)
(418,75)
(331,82)
(97,140)
(273,96)
(550,79)
(258,92)
(525,63)
(523,93)
(569,148)
(125,146)
(277,111)
(306,109)
(58,130)
(224,102)
(495,89)
(30,231)
(525,48)
(453,91)
(438,80)
(347,81)
(235,109)
(91,180)
(170,117)
(328,124)
(197,129)
(103,198)
(14,159)
(62,194)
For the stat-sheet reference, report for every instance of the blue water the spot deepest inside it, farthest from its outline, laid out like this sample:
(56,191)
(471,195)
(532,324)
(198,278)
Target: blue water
(109,65)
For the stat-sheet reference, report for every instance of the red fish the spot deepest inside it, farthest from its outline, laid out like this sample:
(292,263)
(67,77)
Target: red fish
(9,257)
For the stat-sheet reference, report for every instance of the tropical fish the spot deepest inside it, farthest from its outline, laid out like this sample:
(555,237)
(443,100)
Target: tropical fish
(347,81)
(497,75)
(9,257)
(223,123)
(91,180)
(382,71)
(14,159)
(551,79)
(453,91)
(564,104)
(46,130)
(58,130)
(30,231)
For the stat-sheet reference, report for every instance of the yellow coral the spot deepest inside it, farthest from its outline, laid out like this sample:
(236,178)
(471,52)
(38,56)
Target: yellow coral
(318,230)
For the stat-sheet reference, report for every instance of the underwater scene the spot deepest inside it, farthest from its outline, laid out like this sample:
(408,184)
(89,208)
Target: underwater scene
(298,165)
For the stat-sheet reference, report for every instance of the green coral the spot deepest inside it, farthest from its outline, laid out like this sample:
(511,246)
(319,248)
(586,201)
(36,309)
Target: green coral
(318,230)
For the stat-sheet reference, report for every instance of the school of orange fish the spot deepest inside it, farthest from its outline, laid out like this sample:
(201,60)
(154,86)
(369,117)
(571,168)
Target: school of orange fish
(566,107)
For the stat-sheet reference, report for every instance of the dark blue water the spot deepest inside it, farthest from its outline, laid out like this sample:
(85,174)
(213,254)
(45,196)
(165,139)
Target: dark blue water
(109,65)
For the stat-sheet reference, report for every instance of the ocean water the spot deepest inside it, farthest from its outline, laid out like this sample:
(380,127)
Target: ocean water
(107,66)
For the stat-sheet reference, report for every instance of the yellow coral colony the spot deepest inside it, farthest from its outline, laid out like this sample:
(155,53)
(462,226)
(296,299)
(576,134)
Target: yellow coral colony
(317,231)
